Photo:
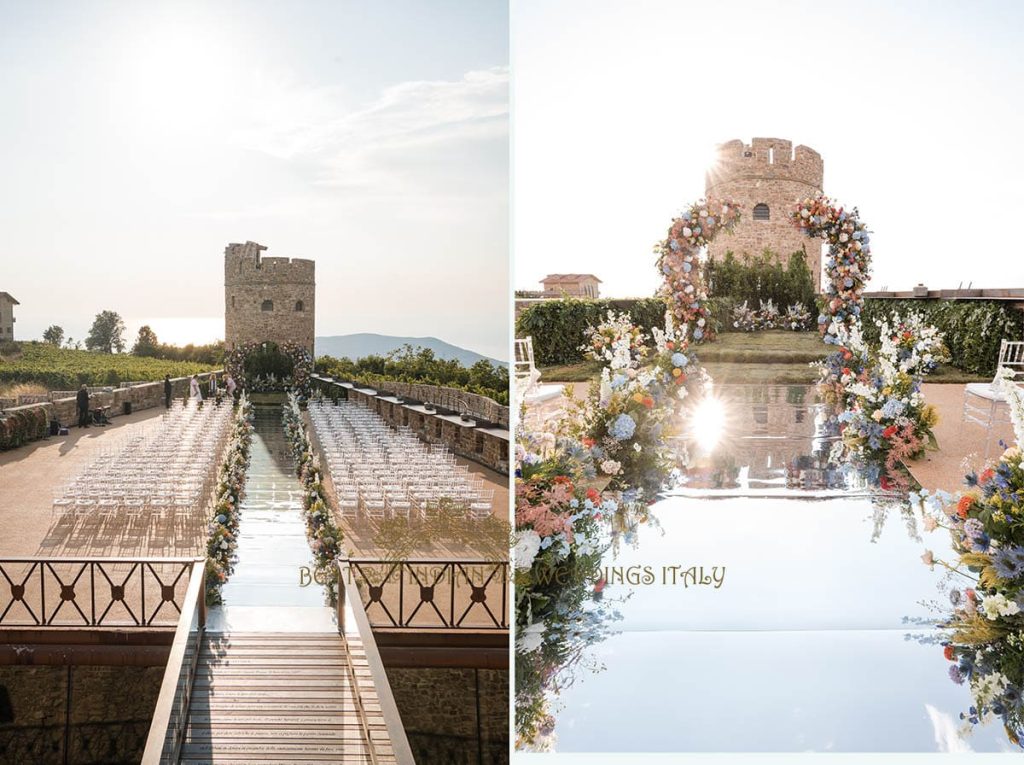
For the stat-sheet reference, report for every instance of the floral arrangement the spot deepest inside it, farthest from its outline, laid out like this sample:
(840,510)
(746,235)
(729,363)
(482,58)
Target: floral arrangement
(559,540)
(746,319)
(847,266)
(797,318)
(884,417)
(325,537)
(301,360)
(986,623)
(223,526)
(678,260)
(630,413)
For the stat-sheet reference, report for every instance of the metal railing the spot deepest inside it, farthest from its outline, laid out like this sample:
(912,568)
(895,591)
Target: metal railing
(92,592)
(351,610)
(433,594)
(170,718)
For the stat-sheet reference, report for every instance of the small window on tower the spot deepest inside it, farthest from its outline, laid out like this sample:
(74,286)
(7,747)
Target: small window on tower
(268,305)
(761,212)
(232,301)
(299,306)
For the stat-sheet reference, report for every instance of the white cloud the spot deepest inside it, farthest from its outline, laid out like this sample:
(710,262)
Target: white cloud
(947,737)
(386,145)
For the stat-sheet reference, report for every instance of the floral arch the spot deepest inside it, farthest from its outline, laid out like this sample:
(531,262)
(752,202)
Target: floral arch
(296,365)
(678,260)
(847,267)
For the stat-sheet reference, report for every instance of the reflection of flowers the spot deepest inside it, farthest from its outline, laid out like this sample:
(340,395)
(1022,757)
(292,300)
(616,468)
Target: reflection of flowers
(530,638)
(527,546)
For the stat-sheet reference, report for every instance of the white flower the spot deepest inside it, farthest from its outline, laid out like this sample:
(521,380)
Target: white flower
(637,447)
(526,549)
(610,467)
(531,637)
(998,605)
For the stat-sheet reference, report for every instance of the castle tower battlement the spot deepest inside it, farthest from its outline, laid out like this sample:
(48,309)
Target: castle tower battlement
(768,177)
(267,298)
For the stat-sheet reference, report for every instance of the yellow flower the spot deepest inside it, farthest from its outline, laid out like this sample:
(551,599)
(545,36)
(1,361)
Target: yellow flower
(676,372)
(638,397)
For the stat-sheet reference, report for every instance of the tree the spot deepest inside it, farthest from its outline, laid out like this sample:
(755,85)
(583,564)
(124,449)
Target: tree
(107,333)
(54,335)
(146,343)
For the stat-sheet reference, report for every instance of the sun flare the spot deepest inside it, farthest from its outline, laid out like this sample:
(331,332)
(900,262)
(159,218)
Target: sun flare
(708,422)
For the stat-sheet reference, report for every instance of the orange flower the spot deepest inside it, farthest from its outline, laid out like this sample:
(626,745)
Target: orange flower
(676,372)
(593,496)
(681,379)
(948,652)
(670,345)
(986,475)
(599,585)
(649,402)
(964,505)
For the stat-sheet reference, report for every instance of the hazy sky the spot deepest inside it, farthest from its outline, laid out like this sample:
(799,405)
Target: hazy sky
(138,139)
(915,107)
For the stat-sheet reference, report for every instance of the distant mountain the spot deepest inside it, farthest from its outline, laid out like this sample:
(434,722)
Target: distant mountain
(367,344)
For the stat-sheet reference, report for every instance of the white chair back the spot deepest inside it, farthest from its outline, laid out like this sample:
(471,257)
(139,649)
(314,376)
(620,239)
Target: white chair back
(1011,356)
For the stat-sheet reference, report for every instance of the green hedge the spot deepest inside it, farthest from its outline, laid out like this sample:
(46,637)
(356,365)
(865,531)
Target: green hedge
(21,426)
(972,328)
(557,326)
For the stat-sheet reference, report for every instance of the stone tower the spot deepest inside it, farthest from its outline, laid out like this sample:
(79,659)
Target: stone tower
(267,298)
(768,178)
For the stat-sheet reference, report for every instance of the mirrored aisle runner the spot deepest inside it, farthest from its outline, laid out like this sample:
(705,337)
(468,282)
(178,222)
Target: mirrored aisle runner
(275,678)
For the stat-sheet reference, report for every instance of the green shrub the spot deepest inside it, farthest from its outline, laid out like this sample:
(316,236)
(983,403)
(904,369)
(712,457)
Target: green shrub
(420,365)
(760,278)
(557,326)
(22,426)
(972,329)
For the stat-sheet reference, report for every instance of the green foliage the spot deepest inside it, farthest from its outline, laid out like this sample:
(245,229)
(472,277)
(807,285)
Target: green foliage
(66,369)
(421,365)
(17,428)
(760,278)
(107,333)
(557,326)
(268,360)
(54,335)
(972,329)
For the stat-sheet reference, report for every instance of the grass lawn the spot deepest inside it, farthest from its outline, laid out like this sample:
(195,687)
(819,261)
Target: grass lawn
(770,357)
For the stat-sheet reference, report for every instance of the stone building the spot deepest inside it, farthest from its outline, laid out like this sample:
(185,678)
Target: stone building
(768,177)
(267,298)
(573,285)
(7,303)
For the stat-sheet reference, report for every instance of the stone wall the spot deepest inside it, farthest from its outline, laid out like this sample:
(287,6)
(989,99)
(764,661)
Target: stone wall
(286,286)
(454,716)
(767,171)
(144,396)
(452,399)
(110,713)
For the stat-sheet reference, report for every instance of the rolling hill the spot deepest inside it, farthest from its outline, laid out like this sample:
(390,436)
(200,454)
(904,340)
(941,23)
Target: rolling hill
(367,344)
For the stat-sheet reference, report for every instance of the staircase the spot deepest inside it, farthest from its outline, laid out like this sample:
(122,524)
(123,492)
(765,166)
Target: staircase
(277,697)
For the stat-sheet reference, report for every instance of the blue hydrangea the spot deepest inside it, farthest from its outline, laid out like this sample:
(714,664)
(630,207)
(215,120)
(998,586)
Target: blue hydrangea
(679,360)
(892,408)
(619,380)
(623,427)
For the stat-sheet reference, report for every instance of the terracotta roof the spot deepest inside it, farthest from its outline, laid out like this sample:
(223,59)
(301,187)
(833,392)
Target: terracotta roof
(562,278)
(9,297)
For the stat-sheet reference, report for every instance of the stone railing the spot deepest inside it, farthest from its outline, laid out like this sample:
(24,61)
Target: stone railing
(459,401)
(143,396)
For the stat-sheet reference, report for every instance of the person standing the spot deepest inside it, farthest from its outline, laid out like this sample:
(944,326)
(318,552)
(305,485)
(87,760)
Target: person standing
(168,390)
(213,386)
(83,406)
(231,386)
(196,393)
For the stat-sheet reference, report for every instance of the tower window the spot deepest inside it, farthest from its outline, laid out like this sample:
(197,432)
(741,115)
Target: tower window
(268,305)
(299,305)
(761,212)
(232,301)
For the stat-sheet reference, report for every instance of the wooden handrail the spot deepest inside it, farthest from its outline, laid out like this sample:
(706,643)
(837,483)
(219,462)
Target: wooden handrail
(62,559)
(388,708)
(193,607)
